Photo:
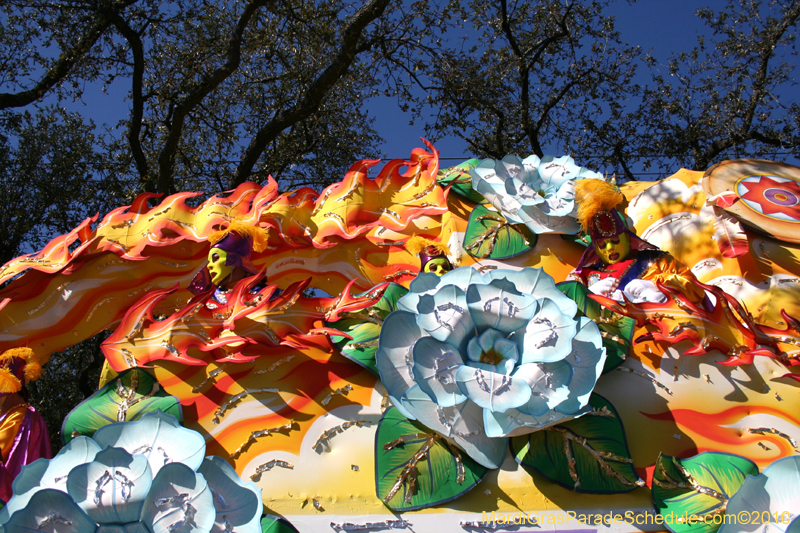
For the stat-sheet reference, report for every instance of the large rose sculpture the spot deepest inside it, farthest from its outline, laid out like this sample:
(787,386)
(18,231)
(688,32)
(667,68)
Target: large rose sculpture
(147,476)
(539,193)
(482,357)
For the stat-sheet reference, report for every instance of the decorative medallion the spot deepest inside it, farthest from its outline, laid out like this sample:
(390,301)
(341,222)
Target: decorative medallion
(762,194)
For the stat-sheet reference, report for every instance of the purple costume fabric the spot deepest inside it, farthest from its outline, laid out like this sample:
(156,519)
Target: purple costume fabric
(31,442)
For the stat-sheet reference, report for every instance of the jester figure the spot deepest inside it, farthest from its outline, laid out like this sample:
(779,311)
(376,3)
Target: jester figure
(618,262)
(23,433)
(229,261)
(432,255)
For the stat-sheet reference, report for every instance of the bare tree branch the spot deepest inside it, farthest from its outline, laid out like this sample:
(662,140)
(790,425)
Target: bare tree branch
(137,112)
(67,59)
(315,93)
(166,159)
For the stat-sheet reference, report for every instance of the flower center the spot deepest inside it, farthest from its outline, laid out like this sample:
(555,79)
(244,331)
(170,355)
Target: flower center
(491,357)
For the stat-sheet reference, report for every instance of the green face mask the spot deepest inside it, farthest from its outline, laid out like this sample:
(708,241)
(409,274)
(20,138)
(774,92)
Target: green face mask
(439,266)
(217,267)
(614,249)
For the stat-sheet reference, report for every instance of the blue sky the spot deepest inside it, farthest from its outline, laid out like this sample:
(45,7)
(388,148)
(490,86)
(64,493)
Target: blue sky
(663,27)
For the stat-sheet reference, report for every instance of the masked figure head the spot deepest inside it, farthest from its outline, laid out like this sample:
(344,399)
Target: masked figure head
(18,367)
(612,241)
(432,255)
(229,257)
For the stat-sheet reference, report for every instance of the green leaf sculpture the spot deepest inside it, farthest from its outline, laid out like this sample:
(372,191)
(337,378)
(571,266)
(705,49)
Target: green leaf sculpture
(460,181)
(490,236)
(276,524)
(587,454)
(617,330)
(698,486)
(366,329)
(416,468)
(126,398)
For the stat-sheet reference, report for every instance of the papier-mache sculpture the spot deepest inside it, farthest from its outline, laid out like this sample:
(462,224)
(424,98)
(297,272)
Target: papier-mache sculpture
(379,387)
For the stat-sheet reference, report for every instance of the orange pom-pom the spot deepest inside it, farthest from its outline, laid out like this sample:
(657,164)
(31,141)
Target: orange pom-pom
(22,353)
(33,371)
(258,236)
(416,245)
(593,196)
(9,382)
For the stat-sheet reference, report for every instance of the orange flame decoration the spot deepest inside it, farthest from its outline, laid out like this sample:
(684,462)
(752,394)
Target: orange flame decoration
(241,329)
(726,327)
(354,230)
(728,431)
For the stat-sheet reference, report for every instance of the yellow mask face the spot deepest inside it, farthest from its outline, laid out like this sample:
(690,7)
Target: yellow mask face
(216,265)
(614,249)
(439,266)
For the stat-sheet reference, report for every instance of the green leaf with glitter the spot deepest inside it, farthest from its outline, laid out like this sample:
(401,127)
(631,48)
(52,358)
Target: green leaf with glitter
(617,330)
(460,181)
(490,236)
(276,524)
(365,328)
(126,398)
(420,468)
(700,485)
(595,442)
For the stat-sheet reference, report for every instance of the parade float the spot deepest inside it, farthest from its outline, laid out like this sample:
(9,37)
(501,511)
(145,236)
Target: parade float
(501,345)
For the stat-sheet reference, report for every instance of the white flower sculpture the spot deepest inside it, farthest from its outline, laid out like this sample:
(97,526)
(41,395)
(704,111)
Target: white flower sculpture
(481,357)
(147,476)
(768,502)
(539,193)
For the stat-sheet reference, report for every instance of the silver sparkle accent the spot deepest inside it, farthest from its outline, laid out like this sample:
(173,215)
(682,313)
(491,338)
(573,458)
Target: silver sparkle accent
(386,524)
(269,465)
(51,519)
(551,336)
(343,391)
(324,440)
(146,448)
(439,372)
(218,498)
(512,309)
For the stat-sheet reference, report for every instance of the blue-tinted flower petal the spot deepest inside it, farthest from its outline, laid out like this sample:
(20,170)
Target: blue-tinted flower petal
(511,167)
(555,171)
(428,283)
(445,316)
(238,505)
(586,360)
(105,528)
(513,422)
(179,500)
(49,507)
(464,424)
(507,350)
(112,488)
(531,165)
(158,437)
(500,306)
(394,358)
(536,282)
(506,366)
(49,473)
(549,383)
(774,492)
(547,337)
(539,221)
(490,390)
(435,365)
(487,339)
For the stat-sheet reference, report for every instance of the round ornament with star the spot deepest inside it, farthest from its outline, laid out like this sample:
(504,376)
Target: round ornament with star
(762,194)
